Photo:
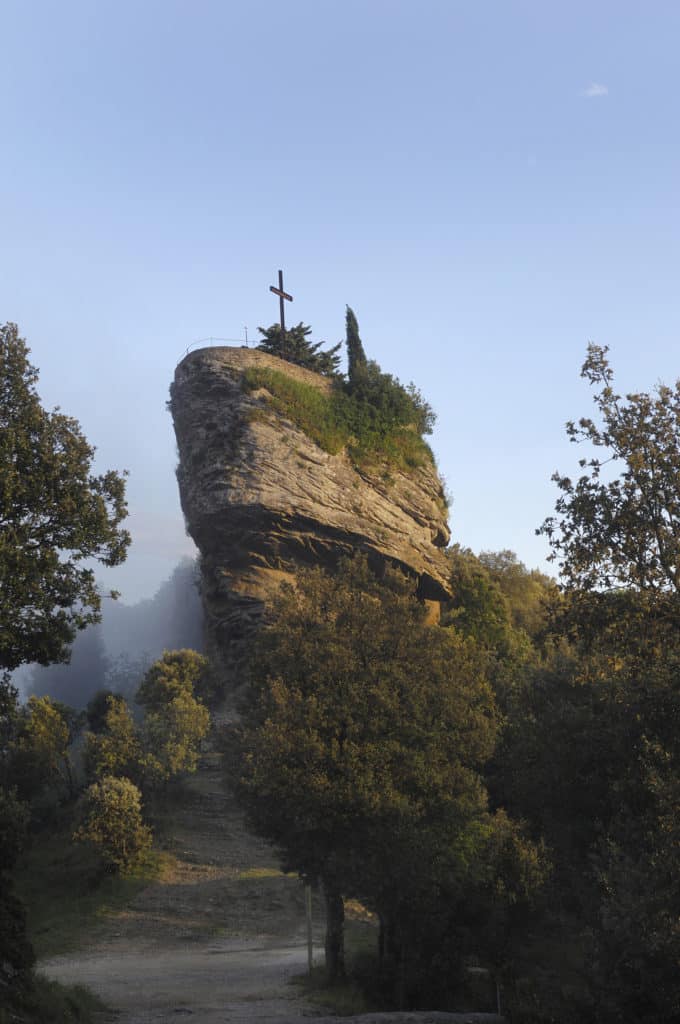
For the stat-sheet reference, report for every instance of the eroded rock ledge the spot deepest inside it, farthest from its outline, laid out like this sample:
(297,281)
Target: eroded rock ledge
(260,498)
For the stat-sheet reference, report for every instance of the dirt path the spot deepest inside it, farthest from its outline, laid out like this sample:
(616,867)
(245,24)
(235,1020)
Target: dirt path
(216,938)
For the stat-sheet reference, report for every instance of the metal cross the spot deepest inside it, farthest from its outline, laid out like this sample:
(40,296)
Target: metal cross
(282,295)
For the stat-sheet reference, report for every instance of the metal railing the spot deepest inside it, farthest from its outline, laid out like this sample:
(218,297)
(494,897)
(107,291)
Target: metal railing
(209,342)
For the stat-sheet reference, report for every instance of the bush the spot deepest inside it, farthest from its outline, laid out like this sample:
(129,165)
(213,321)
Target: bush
(173,735)
(177,673)
(116,749)
(377,420)
(112,823)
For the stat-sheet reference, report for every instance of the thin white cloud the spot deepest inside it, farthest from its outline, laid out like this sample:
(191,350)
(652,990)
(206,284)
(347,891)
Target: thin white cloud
(595,90)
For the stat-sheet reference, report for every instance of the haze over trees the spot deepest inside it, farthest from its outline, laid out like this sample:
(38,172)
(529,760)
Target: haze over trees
(114,654)
(55,515)
(501,788)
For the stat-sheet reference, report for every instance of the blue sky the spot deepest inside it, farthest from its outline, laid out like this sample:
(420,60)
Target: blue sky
(489,185)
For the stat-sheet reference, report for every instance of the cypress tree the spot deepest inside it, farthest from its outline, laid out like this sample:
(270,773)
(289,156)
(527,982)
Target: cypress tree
(356,357)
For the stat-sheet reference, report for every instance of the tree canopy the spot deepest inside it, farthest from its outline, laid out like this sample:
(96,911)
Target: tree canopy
(356,357)
(622,530)
(591,749)
(294,346)
(361,748)
(55,514)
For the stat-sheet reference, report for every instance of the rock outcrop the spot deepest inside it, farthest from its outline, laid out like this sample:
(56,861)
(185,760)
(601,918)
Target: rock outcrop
(260,498)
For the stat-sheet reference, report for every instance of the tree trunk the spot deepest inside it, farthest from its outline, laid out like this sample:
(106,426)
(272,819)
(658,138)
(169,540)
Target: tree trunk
(335,933)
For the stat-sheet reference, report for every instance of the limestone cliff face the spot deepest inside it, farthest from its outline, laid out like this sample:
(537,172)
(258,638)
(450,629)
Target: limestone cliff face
(261,498)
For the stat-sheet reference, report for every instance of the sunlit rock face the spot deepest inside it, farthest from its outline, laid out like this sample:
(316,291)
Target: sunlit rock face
(260,498)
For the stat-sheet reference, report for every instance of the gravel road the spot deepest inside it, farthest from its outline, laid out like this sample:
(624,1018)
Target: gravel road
(217,937)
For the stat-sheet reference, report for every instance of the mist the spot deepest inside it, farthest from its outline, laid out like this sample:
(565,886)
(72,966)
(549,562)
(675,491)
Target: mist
(115,653)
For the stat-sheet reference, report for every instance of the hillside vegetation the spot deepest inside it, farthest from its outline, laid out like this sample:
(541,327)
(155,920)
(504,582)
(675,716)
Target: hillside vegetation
(367,412)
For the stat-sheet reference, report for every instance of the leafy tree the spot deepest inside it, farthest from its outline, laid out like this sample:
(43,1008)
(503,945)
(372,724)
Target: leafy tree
(294,346)
(478,607)
(379,403)
(172,736)
(598,728)
(42,755)
(116,748)
(97,709)
(112,823)
(175,674)
(528,593)
(175,721)
(356,357)
(10,716)
(54,515)
(623,531)
(168,742)
(360,748)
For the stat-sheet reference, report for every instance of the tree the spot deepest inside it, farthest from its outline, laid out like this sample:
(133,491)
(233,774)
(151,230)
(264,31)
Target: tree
(527,592)
(172,737)
(356,357)
(478,607)
(602,733)
(42,756)
(360,749)
(175,674)
(54,515)
(175,721)
(112,823)
(294,346)
(115,749)
(622,531)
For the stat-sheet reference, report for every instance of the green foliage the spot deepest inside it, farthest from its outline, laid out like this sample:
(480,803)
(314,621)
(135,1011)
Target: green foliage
(48,1002)
(360,753)
(13,821)
(65,889)
(373,428)
(294,347)
(478,607)
(175,722)
(591,749)
(116,749)
(175,674)
(173,733)
(371,415)
(622,531)
(16,955)
(97,710)
(41,756)
(528,593)
(54,515)
(9,722)
(112,823)
(356,357)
